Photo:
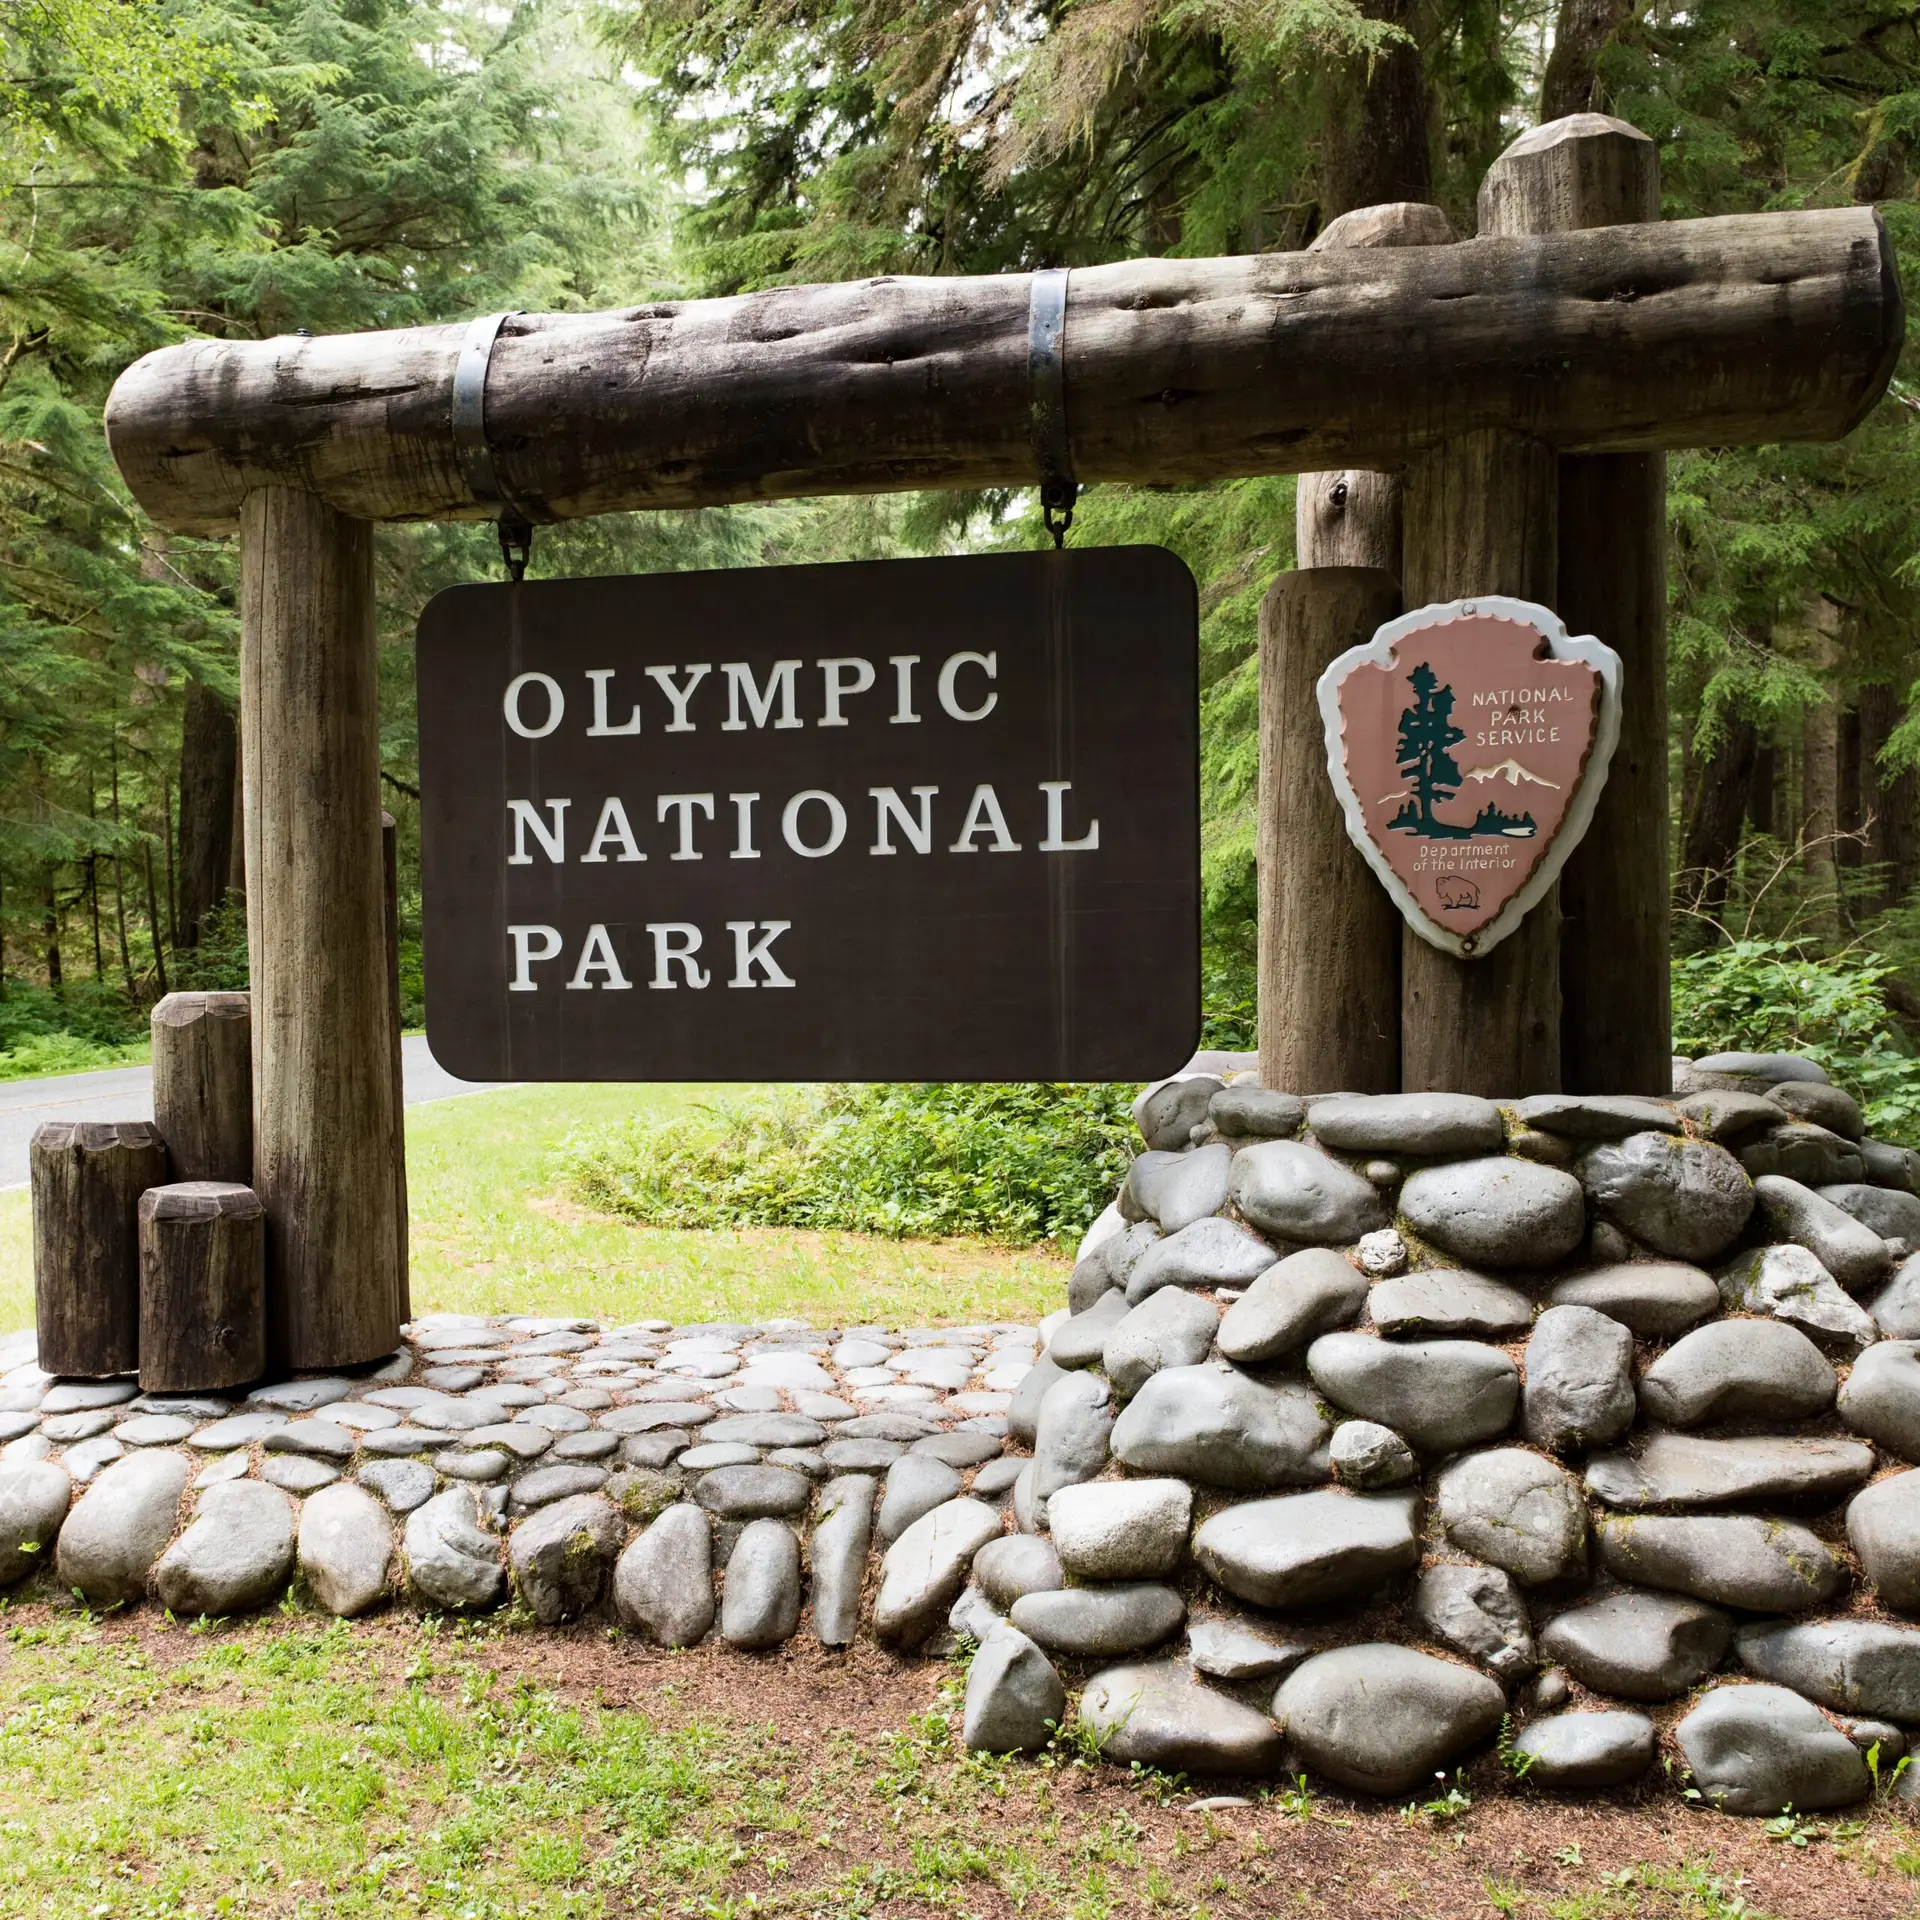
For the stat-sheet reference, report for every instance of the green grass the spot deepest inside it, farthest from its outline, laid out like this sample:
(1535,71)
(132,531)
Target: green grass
(36,1055)
(491,1233)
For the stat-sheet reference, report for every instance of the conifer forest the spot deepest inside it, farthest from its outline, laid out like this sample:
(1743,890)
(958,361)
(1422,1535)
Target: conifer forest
(247,168)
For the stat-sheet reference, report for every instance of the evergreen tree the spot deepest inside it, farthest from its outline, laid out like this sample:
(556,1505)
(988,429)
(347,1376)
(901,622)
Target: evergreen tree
(1423,755)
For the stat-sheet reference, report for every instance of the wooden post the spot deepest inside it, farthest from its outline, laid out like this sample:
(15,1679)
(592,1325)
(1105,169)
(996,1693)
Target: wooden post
(88,1176)
(1329,947)
(390,876)
(1481,517)
(1329,939)
(1591,171)
(203,1282)
(203,1084)
(326,1132)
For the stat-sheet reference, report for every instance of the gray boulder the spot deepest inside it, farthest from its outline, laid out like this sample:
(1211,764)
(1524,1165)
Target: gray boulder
(842,1532)
(752,1493)
(344,1547)
(1760,1749)
(452,1561)
(1444,1300)
(1811,1155)
(1121,1529)
(1789,1284)
(1497,1212)
(1222,1427)
(1081,1341)
(1883,1523)
(1253,1113)
(1679,1471)
(1070,1442)
(1307,1294)
(1168,1111)
(1652,1299)
(1850,1666)
(34,1496)
(1209,1253)
(1896,1307)
(1579,1380)
(1298,1193)
(1738,1370)
(1889,1166)
(237,1554)
(1688,1199)
(1641,1646)
(1771,1069)
(1370,1458)
(1735,1560)
(1853,1254)
(927,1566)
(1424,1123)
(1438,1395)
(1382,1718)
(760,1603)
(1232,1650)
(1016,1564)
(1158,1715)
(1177,1189)
(1730,1117)
(1100,1623)
(1826,1106)
(1479,1613)
(1886,1211)
(1015,1699)
(1515,1511)
(118,1527)
(915,1485)
(1882,1397)
(1586,1749)
(663,1582)
(1171,1328)
(1023,1414)
(1306,1548)
(561,1555)
(1596,1116)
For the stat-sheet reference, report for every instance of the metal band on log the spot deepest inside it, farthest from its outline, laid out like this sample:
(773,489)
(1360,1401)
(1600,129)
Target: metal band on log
(88,1176)
(203,1264)
(1747,329)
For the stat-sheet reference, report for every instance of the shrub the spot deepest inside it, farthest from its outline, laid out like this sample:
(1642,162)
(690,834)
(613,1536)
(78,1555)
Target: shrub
(1771,996)
(1017,1163)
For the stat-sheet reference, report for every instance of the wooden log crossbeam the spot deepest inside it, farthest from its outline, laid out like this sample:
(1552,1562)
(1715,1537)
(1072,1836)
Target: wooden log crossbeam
(1741,330)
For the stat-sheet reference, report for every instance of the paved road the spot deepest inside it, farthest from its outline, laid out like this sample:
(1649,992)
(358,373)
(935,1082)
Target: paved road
(126,1093)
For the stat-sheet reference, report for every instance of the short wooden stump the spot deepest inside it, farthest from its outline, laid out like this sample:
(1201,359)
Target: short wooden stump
(203,1286)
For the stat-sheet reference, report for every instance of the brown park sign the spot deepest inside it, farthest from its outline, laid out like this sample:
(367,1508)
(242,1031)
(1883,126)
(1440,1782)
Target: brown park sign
(904,819)
(1468,744)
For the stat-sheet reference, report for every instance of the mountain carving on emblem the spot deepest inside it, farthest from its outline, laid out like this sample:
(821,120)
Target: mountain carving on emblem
(1513,773)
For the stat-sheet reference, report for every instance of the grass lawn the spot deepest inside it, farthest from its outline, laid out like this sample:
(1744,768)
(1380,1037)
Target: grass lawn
(491,1234)
(294,1766)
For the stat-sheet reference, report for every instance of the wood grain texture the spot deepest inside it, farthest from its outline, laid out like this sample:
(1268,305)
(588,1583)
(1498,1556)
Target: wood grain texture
(1481,516)
(390,895)
(1592,171)
(326,1126)
(203,1084)
(1329,932)
(88,1176)
(203,1268)
(1746,329)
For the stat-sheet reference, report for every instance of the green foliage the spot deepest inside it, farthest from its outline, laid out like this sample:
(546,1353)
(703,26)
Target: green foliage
(1772,996)
(1010,1163)
(89,1025)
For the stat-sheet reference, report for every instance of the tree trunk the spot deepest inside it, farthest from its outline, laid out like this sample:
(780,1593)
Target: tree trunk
(1378,138)
(1894,803)
(1852,806)
(1820,782)
(154,930)
(88,1176)
(1329,933)
(1762,809)
(203,1263)
(1571,83)
(1482,517)
(326,1132)
(203,1084)
(209,748)
(1711,837)
(51,926)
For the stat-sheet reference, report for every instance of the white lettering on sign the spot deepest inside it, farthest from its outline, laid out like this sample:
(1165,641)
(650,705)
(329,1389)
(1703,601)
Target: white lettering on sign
(749,953)
(742,688)
(836,824)
(613,827)
(525,954)
(989,664)
(526,819)
(843,678)
(601,728)
(903,665)
(1056,842)
(556,704)
(984,816)
(888,806)
(662,677)
(596,956)
(675,942)
(684,804)
(743,847)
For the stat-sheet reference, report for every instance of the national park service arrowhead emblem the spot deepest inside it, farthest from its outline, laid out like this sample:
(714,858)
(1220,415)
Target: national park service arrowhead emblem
(1468,744)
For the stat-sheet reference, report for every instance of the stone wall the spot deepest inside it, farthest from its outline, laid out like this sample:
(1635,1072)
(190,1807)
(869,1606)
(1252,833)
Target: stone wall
(1578,1423)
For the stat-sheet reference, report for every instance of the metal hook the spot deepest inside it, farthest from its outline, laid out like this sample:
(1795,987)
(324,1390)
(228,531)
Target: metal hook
(516,546)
